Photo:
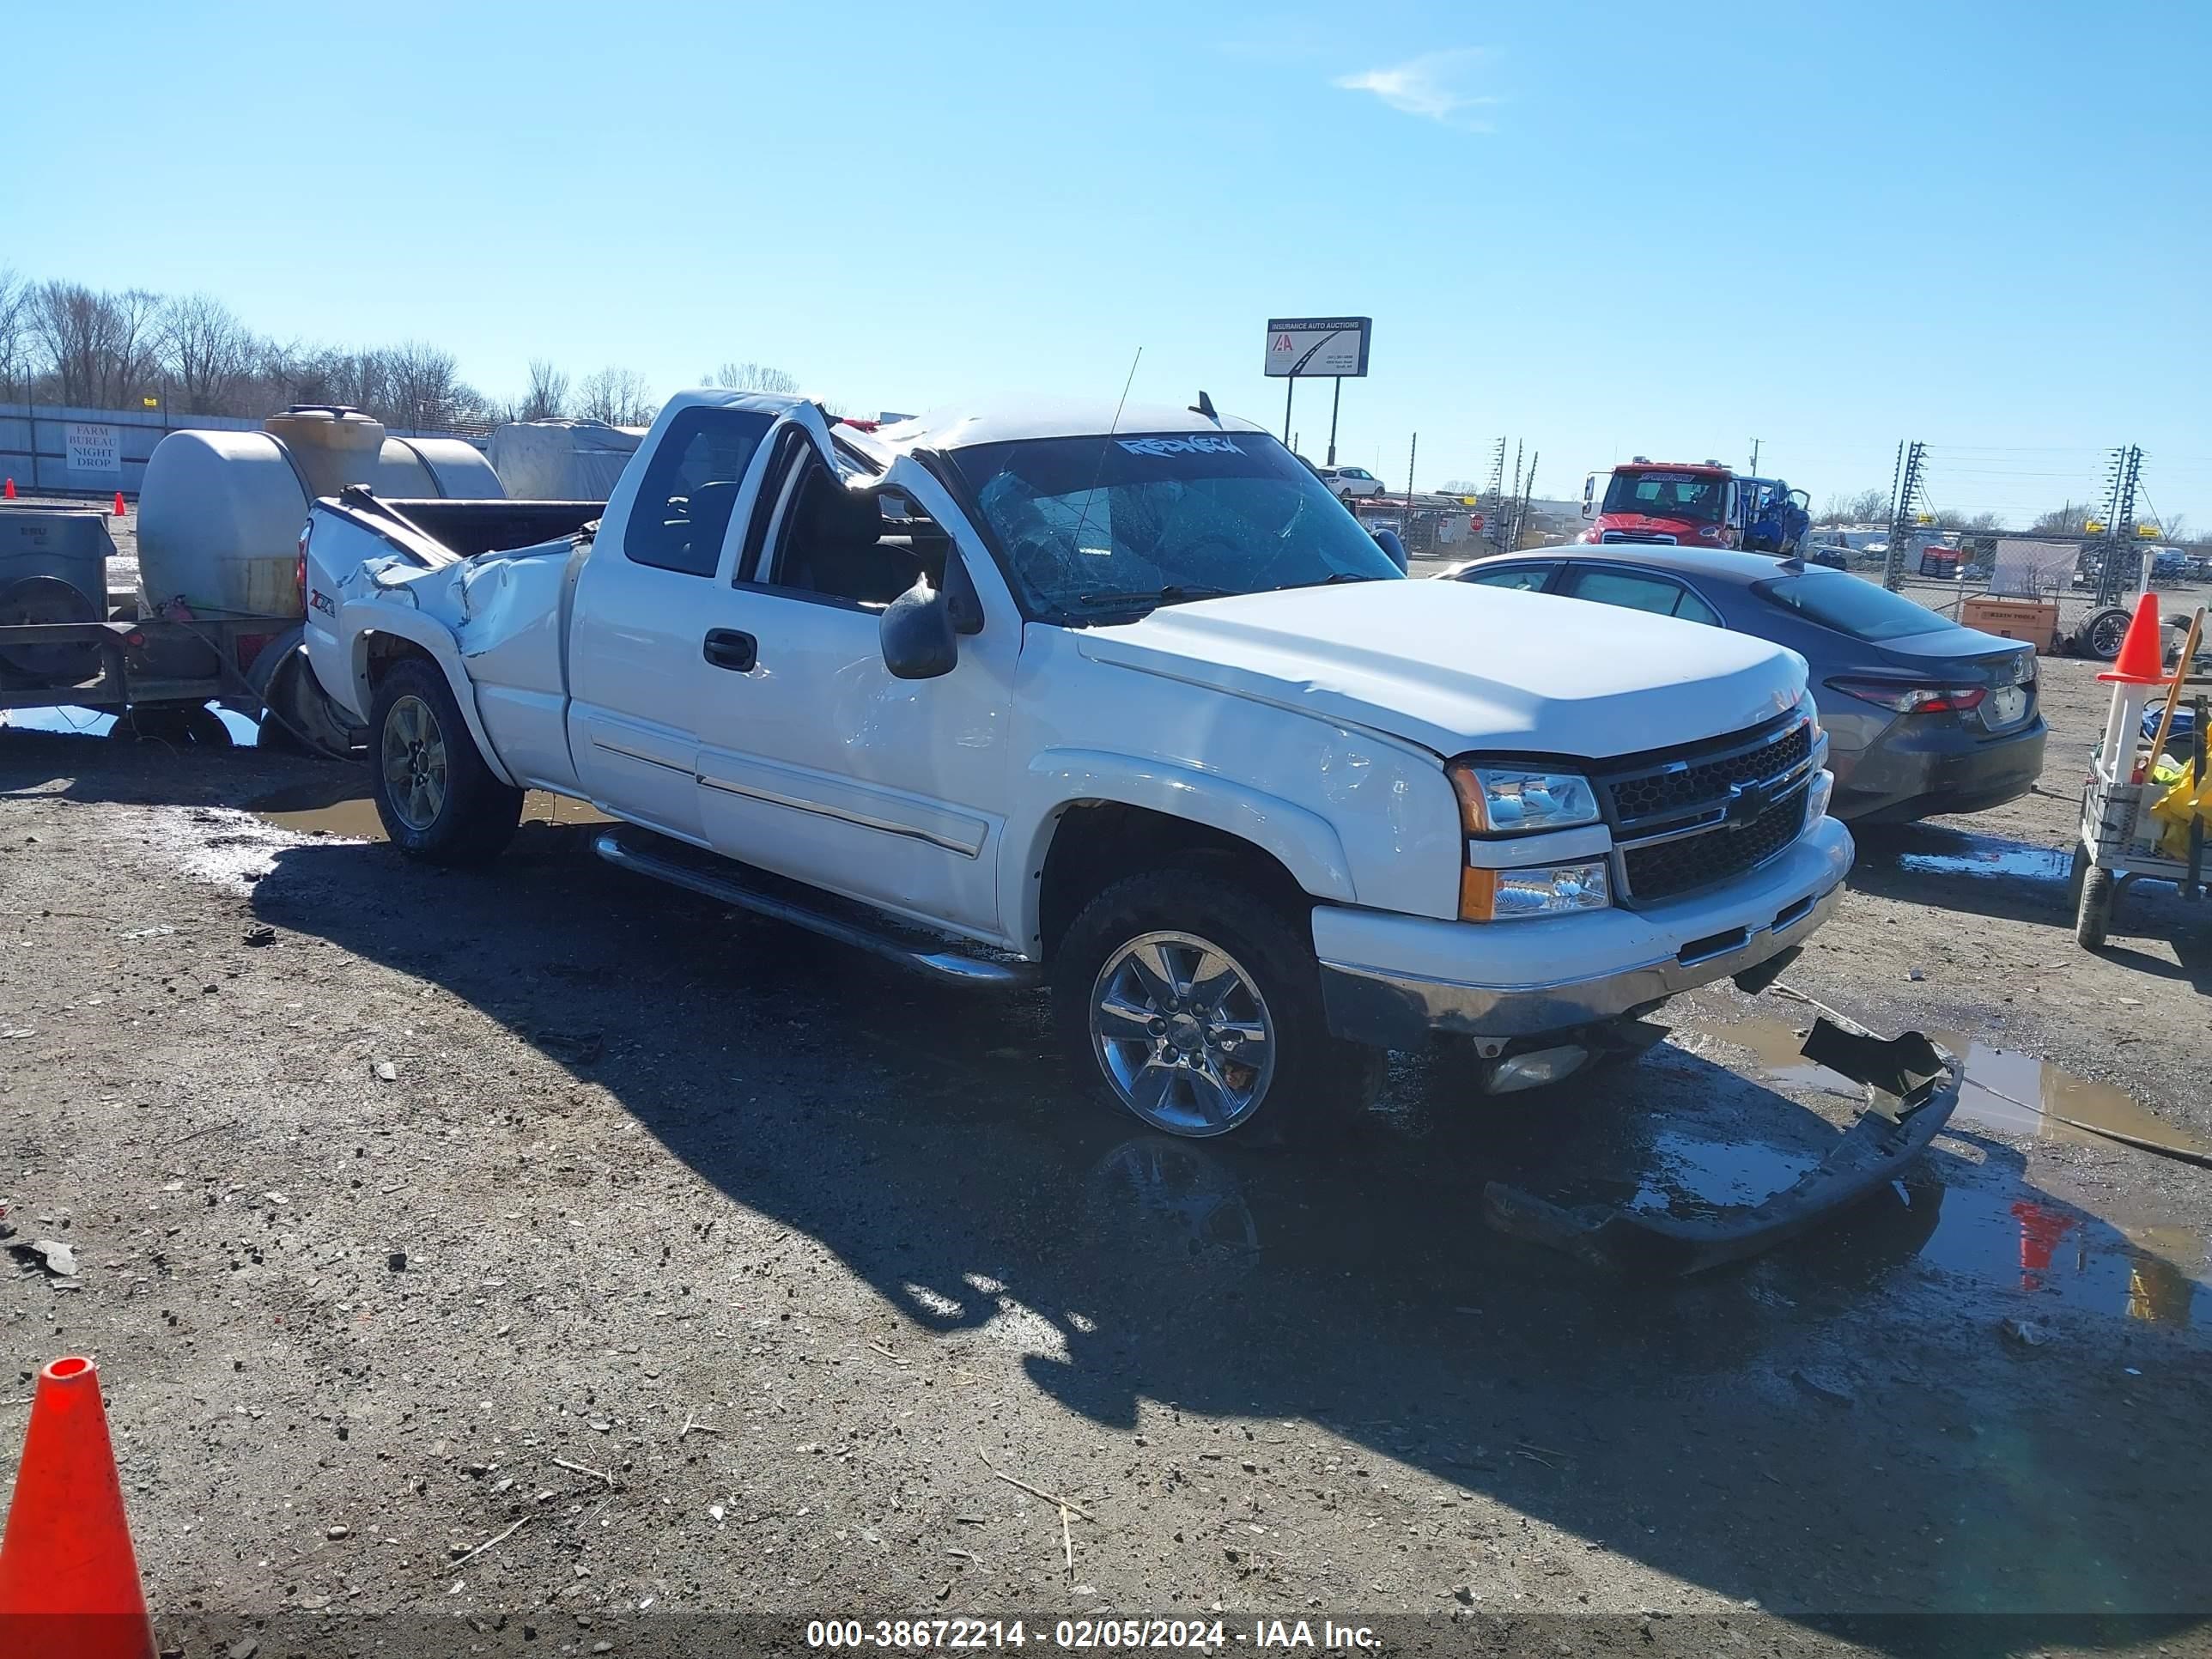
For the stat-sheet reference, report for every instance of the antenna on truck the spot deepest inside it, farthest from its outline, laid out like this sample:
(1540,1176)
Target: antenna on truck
(1075,544)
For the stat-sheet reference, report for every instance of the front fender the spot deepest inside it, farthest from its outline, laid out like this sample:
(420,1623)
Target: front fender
(1303,842)
(358,620)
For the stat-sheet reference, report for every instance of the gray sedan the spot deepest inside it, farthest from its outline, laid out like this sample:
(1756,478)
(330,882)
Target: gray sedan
(1923,716)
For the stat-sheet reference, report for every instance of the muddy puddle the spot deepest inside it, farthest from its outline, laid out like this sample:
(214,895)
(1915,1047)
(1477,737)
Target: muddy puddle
(2014,1093)
(1183,1202)
(245,733)
(310,810)
(1987,857)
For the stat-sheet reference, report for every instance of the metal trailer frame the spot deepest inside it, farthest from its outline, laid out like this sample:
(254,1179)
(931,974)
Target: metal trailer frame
(119,688)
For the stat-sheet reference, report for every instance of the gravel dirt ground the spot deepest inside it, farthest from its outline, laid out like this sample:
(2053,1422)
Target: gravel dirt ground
(541,1256)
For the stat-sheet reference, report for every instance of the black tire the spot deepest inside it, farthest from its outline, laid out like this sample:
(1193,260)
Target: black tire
(2092,916)
(204,727)
(2102,632)
(460,814)
(176,724)
(1318,1085)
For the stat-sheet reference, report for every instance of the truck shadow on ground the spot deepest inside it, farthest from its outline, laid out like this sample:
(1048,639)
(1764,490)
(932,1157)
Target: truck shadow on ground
(1836,1427)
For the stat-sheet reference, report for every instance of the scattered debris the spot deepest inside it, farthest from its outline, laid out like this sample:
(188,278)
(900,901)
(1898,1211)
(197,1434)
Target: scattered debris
(260,933)
(56,1257)
(212,1128)
(2026,1331)
(387,1071)
(579,1469)
(1914,973)
(337,1531)
(497,1538)
(1036,1491)
(1822,1388)
(692,1426)
(396,1261)
(571,1048)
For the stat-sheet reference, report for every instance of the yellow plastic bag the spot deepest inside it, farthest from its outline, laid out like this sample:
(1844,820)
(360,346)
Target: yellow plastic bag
(2184,798)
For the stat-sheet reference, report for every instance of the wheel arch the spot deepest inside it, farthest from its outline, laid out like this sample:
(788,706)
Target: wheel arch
(1105,817)
(394,638)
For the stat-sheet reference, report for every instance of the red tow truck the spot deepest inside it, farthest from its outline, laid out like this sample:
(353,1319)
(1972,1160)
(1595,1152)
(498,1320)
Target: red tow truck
(1694,504)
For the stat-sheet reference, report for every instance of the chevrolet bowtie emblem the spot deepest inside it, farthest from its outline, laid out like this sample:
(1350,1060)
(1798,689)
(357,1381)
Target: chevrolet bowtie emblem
(1746,802)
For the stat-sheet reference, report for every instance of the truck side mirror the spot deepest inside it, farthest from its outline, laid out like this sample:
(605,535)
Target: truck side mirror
(1393,549)
(961,598)
(917,635)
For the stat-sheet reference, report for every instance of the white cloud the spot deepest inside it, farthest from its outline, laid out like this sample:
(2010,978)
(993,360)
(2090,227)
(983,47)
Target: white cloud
(1430,86)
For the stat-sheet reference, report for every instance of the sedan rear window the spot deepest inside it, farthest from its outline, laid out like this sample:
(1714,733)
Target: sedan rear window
(1844,602)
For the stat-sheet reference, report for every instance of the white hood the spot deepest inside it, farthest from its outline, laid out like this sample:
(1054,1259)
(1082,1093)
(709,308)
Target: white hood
(1454,667)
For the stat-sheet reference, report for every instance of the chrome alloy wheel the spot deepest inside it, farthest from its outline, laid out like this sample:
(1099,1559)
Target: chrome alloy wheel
(414,756)
(1182,1033)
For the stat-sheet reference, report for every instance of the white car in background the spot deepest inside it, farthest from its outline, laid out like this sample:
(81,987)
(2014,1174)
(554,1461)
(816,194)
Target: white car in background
(1349,483)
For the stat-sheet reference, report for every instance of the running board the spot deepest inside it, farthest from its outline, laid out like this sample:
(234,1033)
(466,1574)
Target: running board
(720,879)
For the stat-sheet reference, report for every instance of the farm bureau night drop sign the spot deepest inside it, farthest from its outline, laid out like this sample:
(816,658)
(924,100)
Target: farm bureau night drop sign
(92,446)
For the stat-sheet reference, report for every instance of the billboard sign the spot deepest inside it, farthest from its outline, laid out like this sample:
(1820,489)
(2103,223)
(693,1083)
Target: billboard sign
(1317,348)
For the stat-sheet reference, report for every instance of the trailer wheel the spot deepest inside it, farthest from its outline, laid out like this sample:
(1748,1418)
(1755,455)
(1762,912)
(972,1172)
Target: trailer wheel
(197,724)
(439,801)
(2092,916)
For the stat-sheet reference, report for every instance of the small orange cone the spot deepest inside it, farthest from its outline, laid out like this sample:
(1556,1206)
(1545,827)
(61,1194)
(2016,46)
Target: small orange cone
(68,1581)
(11,489)
(2142,654)
(118,504)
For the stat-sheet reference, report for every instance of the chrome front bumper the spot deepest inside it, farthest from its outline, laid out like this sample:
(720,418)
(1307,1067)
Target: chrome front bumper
(1467,978)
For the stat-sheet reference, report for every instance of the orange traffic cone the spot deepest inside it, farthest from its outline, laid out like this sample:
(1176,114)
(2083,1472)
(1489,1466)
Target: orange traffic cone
(118,504)
(11,489)
(68,1581)
(2142,654)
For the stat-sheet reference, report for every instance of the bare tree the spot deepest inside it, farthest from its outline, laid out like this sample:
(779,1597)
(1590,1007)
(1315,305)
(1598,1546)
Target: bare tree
(547,399)
(423,388)
(1870,506)
(14,334)
(751,377)
(617,395)
(2067,519)
(207,353)
(99,347)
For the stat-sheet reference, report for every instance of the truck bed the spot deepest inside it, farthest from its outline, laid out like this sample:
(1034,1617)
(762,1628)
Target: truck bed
(467,529)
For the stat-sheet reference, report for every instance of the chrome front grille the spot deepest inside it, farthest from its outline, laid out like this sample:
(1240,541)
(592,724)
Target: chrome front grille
(1686,819)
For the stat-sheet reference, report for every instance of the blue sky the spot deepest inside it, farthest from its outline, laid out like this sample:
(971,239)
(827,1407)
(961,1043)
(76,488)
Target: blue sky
(1603,228)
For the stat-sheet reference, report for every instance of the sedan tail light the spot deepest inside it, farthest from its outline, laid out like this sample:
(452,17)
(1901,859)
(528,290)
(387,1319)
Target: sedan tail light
(1910,697)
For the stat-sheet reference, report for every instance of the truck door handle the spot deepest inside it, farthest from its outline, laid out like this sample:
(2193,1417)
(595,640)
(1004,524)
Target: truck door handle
(725,647)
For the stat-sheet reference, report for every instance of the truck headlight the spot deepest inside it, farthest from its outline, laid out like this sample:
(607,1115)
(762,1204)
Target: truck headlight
(1817,796)
(1538,889)
(1513,800)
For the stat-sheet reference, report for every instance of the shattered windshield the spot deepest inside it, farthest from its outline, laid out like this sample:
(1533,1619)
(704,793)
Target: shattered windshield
(1091,527)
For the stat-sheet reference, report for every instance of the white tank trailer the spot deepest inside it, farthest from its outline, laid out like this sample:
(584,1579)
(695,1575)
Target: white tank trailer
(220,614)
(220,513)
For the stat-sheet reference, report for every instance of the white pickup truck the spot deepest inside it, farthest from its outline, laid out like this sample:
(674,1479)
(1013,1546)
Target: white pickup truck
(1133,702)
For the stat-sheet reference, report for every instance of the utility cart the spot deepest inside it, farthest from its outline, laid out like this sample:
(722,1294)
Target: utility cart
(2145,800)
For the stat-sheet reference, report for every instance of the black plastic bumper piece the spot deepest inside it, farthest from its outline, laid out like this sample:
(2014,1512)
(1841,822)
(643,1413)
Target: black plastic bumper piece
(1912,1090)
